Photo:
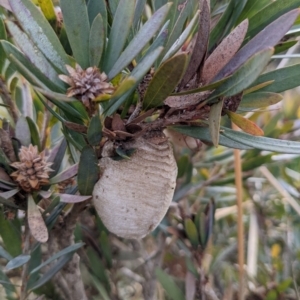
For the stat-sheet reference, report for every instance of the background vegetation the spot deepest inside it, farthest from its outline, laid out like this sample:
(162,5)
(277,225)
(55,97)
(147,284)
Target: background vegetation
(195,252)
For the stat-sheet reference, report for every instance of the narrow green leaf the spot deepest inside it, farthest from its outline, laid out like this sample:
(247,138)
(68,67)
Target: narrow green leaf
(220,27)
(52,271)
(94,134)
(26,68)
(65,174)
(3,36)
(259,100)
(283,79)
(274,31)
(118,34)
(263,143)
(183,37)
(67,198)
(35,138)
(140,40)
(5,254)
(8,194)
(169,285)
(100,287)
(244,76)
(37,27)
(35,56)
(23,132)
(88,171)
(17,262)
(10,289)
(251,8)
(77,26)
(97,7)
(284,46)
(165,80)
(106,250)
(97,40)
(137,73)
(56,156)
(214,121)
(71,249)
(191,232)
(10,236)
(202,133)
(269,14)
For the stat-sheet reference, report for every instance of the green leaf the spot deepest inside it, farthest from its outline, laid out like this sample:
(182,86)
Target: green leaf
(88,171)
(77,26)
(191,232)
(244,76)
(202,133)
(27,69)
(68,198)
(69,250)
(118,34)
(52,271)
(9,287)
(283,79)
(182,38)
(106,250)
(140,40)
(214,121)
(259,100)
(35,138)
(17,262)
(56,156)
(5,254)
(274,31)
(283,46)
(251,8)
(94,133)
(165,81)
(40,31)
(169,285)
(96,40)
(97,7)
(137,73)
(10,236)
(263,143)
(23,131)
(65,174)
(3,36)
(269,14)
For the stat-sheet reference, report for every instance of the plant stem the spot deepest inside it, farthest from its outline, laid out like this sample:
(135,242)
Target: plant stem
(26,250)
(239,198)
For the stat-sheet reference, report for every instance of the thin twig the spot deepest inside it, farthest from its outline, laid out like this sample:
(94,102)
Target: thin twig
(240,224)
(26,250)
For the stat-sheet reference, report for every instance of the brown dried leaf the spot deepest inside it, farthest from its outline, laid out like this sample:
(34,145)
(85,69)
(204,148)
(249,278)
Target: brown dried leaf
(117,123)
(76,127)
(245,124)
(200,48)
(36,222)
(185,101)
(224,52)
